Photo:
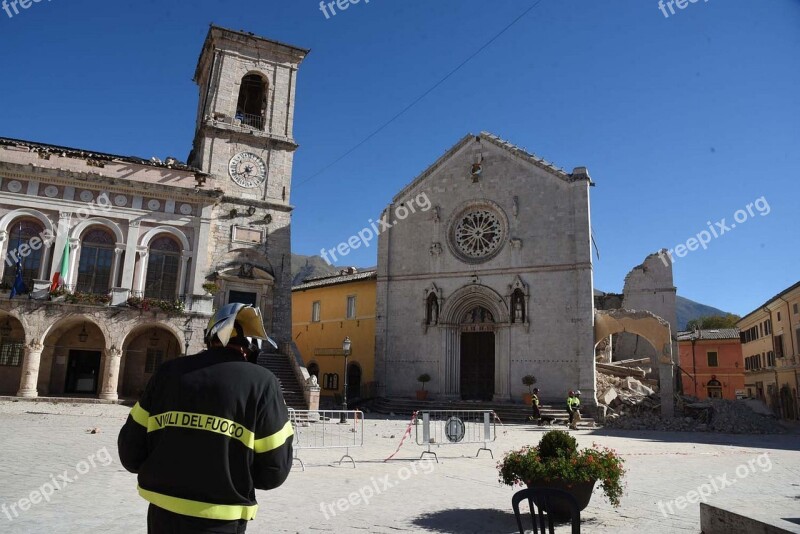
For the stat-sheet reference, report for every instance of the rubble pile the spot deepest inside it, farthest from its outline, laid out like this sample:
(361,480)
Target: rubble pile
(632,405)
(626,395)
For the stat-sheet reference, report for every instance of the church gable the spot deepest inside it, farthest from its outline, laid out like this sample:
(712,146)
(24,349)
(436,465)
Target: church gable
(493,205)
(470,158)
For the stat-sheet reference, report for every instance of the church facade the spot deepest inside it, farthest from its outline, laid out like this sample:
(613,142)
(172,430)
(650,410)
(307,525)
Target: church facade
(113,264)
(491,284)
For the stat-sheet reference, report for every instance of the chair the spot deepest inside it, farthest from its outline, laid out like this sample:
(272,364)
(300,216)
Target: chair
(543,497)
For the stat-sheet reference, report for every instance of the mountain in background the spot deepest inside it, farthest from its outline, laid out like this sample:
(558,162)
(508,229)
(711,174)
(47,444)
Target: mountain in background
(304,267)
(689,310)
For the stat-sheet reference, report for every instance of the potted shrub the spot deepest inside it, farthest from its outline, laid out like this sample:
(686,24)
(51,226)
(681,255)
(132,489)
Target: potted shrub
(528,380)
(557,463)
(211,288)
(423,379)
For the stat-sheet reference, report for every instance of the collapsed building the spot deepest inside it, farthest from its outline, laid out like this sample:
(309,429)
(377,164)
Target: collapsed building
(635,335)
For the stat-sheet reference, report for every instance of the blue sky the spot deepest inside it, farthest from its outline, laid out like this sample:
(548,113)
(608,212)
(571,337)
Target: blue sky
(680,120)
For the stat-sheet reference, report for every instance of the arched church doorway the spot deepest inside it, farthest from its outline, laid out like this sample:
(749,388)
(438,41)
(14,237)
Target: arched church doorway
(477,355)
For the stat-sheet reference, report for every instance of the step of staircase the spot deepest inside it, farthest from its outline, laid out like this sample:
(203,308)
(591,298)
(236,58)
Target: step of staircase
(281,367)
(507,412)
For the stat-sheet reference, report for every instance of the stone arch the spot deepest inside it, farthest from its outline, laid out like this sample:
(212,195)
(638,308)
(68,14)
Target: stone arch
(472,296)
(165,342)
(656,331)
(79,228)
(253,99)
(456,307)
(49,230)
(61,346)
(13,368)
(237,256)
(174,232)
(649,326)
(76,319)
(9,217)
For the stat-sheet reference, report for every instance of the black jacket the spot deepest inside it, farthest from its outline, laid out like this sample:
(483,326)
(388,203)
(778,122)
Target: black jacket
(208,430)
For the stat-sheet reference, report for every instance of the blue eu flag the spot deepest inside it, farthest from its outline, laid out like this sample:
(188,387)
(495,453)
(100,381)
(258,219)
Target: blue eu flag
(19,283)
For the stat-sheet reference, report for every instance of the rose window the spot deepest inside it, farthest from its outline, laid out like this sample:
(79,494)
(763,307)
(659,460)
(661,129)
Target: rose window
(479,234)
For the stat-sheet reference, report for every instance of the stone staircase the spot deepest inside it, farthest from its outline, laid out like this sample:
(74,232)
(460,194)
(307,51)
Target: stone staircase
(282,368)
(507,412)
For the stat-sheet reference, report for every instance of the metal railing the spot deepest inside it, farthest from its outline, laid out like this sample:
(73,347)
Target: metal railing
(327,429)
(253,121)
(455,427)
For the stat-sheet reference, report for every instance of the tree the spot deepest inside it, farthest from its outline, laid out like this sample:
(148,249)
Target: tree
(710,322)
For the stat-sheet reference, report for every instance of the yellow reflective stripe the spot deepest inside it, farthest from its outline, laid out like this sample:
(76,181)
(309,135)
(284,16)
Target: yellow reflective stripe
(223,512)
(140,415)
(270,443)
(199,421)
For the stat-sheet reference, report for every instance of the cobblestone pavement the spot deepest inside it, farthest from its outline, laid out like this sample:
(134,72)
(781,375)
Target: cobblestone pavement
(43,442)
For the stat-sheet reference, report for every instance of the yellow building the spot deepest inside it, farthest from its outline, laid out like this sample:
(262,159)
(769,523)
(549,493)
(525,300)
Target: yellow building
(771,350)
(327,310)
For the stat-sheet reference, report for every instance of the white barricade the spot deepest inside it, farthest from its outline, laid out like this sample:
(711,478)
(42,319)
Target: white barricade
(455,427)
(327,429)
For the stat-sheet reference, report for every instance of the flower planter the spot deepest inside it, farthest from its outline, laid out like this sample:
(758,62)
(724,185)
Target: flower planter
(559,509)
(527,399)
(422,395)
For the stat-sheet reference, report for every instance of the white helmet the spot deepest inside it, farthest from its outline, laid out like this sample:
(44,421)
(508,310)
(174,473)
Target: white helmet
(222,324)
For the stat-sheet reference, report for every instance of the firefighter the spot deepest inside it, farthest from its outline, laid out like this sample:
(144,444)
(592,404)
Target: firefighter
(208,431)
(574,407)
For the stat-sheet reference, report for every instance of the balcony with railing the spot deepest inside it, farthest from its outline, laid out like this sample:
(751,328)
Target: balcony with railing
(248,120)
(115,298)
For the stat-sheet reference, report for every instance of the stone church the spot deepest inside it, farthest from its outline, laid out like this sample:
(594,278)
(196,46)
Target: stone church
(143,250)
(491,284)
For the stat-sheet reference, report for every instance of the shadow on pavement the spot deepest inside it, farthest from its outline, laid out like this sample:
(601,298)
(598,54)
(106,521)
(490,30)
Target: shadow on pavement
(788,442)
(461,521)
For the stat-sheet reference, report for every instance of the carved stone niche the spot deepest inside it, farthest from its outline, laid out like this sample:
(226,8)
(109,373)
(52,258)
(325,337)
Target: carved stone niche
(433,303)
(519,300)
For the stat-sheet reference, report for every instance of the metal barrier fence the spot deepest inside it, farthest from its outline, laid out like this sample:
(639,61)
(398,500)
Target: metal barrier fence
(326,429)
(455,427)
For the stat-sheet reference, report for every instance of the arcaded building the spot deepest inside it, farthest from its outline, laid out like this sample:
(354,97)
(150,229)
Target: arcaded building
(123,259)
(492,283)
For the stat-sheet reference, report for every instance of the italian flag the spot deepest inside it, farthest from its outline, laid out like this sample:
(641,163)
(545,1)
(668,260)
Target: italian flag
(60,276)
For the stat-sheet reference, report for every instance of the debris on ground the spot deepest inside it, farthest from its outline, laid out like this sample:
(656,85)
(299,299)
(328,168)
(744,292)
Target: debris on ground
(633,404)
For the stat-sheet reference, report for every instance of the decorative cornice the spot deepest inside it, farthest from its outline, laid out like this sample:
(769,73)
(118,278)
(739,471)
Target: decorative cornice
(95,181)
(264,204)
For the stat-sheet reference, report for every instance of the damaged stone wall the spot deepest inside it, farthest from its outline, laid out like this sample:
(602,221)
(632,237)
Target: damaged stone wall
(648,287)
(657,332)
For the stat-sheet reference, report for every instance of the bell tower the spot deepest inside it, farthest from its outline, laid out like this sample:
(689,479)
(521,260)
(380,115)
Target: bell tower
(244,142)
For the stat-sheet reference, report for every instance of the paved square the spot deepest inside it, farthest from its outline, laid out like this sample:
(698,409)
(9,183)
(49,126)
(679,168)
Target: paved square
(45,443)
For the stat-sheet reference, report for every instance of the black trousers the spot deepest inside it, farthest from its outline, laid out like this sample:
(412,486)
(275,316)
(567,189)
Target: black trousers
(160,521)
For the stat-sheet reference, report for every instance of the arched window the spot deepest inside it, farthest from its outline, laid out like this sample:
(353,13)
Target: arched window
(163,266)
(20,233)
(97,258)
(252,104)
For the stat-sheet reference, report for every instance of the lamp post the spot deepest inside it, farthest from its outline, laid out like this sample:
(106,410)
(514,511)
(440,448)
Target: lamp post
(346,350)
(187,337)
